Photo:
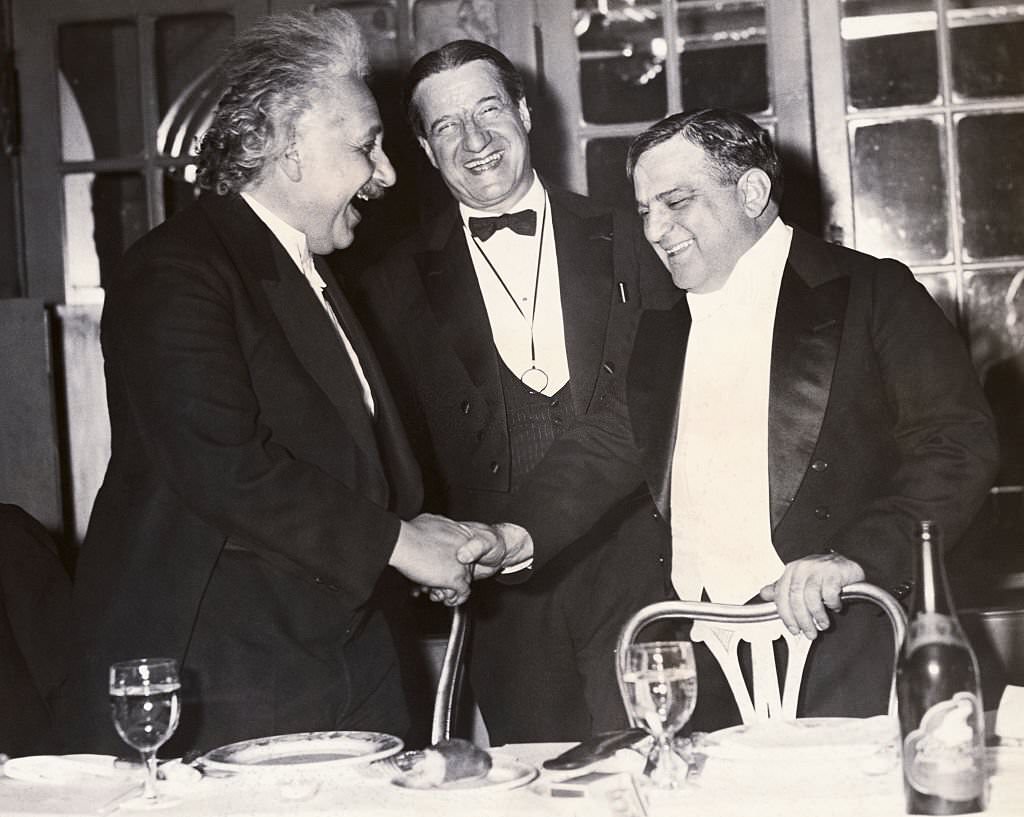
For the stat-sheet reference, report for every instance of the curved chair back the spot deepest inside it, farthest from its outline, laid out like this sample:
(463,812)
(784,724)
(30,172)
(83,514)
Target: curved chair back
(722,627)
(446,697)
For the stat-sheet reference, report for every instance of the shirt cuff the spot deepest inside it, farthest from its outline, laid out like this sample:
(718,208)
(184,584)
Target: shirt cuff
(523,565)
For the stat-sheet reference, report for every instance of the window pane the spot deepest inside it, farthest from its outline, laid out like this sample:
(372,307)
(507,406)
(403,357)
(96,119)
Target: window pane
(188,48)
(723,56)
(891,53)
(991,170)
(622,68)
(899,190)
(380,28)
(942,287)
(606,172)
(100,111)
(997,347)
(436,22)
(987,38)
(104,214)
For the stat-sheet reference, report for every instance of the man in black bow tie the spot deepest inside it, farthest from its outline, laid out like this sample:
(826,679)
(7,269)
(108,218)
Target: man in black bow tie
(511,311)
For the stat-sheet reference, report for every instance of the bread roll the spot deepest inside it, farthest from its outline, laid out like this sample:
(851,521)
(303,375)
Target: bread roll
(453,760)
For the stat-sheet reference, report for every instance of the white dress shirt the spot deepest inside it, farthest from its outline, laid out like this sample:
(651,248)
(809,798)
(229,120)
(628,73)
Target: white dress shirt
(721,523)
(295,244)
(515,266)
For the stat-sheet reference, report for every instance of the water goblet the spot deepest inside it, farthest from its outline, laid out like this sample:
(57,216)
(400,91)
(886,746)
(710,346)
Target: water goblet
(144,702)
(659,683)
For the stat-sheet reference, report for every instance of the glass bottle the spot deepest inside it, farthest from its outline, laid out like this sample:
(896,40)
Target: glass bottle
(942,724)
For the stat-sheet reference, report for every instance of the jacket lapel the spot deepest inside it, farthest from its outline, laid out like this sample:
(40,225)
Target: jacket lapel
(655,377)
(264,263)
(805,346)
(402,469)
(320,351)
(584,250)
(453,292)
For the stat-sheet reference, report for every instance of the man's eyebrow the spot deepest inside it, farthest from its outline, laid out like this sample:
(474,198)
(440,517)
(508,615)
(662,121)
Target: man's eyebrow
(672,192)
(482,101)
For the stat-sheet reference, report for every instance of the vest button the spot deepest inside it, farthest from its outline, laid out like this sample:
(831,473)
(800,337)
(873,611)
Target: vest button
(465,407)
(608,366)
(495,467)
(819,465)
(822,512)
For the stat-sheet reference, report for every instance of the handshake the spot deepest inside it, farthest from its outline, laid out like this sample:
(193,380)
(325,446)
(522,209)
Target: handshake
(445,556)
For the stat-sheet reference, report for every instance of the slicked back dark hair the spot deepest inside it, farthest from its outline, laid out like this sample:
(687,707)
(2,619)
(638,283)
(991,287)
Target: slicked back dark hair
(454,55)
(274,71)
(732,144)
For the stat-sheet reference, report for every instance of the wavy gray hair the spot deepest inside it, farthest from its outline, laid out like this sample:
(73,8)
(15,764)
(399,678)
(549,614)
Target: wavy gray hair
(273,72)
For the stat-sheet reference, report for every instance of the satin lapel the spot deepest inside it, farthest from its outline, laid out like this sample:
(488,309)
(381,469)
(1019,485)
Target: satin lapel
(655,378)
(317,345)
(805,345)
(455,299)
(584,248)
(402,469)
(264,264)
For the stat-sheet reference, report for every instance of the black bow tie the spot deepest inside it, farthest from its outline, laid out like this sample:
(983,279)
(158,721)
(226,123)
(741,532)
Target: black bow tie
(524,222)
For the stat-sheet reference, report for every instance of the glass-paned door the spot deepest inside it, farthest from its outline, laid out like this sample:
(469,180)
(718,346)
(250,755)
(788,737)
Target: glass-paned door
(617,66)
(120,91)
(919,110)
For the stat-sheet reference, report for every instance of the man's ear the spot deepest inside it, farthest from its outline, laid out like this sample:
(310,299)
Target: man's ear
(427,149)
(524,114)
(291,162)
(755,191)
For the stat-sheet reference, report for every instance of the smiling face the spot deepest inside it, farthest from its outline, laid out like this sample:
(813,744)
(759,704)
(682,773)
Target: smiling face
(698,226)
(336,157)
(476,136)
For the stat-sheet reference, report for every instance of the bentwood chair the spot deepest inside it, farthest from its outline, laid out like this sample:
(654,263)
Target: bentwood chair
(722,628)
(446,697)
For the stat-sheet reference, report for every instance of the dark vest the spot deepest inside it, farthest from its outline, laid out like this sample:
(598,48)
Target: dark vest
(534,421)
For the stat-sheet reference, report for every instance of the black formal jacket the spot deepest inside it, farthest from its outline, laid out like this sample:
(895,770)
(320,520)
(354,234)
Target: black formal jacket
(429,325)
(237,423)
(876,420)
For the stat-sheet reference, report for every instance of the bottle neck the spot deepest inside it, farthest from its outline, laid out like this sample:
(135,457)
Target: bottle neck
(932,587)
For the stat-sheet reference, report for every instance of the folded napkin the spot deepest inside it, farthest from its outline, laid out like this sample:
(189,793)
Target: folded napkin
(1010,715)
(824,739)
(812,758)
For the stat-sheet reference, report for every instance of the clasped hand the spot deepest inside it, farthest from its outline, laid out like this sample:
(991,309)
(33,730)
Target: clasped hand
(444,556)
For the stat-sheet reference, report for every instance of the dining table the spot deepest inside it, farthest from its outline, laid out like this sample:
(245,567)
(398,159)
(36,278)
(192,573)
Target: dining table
(764,774)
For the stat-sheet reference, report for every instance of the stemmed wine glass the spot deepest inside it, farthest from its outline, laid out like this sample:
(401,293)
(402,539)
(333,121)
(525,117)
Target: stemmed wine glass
(659,680)
(144,701)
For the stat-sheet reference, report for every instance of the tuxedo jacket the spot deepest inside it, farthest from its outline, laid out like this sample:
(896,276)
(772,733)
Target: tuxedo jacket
(423,307)
(429,324)
(238,434)
(876,420)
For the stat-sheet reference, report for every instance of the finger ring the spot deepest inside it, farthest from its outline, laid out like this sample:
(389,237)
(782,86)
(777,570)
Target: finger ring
(464,529)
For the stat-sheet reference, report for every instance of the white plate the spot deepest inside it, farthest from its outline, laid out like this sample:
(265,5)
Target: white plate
(505,773)
(63,769)
(301,751)
(825,737)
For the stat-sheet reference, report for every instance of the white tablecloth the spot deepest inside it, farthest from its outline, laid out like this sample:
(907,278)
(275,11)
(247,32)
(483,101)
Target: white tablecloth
(728,788)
